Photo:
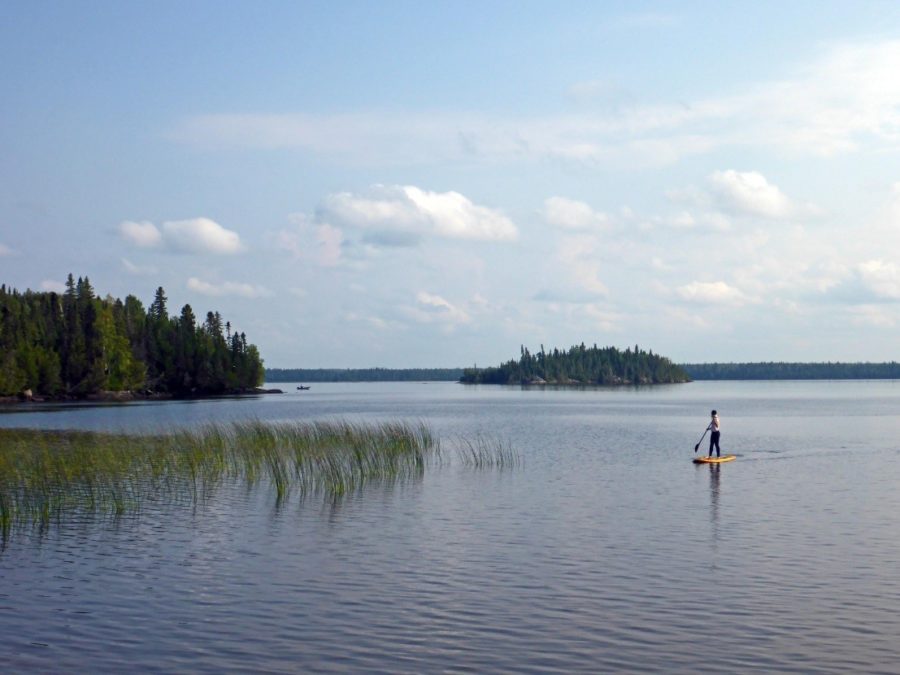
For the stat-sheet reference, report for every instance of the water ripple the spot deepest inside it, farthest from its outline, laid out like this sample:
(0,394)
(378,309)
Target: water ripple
(606,552)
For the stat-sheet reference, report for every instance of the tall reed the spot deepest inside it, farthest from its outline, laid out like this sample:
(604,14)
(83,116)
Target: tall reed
(44,474)
(483,452)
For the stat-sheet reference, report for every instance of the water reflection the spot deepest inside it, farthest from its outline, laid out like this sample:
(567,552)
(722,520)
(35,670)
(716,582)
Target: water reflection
(559,567)
(714,490)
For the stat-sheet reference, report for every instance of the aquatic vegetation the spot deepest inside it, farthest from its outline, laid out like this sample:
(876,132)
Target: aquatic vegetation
(484,452)
(44,474)
(47,474)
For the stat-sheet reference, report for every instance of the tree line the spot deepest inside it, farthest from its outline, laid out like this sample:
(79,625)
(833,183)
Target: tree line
(363,374)
(793,371)
(76,344)
(580,365)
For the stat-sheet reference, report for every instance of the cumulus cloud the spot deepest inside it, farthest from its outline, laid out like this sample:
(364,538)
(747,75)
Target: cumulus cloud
(731,194)
(749,192)
(432,308)
(710,292)
(200,235)
(195,235)
(571,214)
(308,240)
(400,215)
(351,228)
(227,288)
(144,234)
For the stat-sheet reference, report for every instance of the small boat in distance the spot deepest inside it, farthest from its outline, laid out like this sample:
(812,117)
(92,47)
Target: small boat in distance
(302,388)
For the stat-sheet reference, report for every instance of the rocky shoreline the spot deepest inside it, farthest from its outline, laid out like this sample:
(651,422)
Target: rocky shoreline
(127,396)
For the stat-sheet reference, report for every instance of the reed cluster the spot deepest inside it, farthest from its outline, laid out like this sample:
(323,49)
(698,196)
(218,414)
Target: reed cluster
(484,452)
(45,474)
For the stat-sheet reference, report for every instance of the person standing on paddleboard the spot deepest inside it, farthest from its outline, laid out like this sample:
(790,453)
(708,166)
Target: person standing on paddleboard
(713,428)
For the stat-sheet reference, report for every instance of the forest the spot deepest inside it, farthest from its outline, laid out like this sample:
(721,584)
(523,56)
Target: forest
(581,365)
(76,344)
(363,374)
(793,371)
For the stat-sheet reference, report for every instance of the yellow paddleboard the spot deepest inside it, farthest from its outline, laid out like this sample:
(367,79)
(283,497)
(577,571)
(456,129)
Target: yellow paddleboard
(714,460)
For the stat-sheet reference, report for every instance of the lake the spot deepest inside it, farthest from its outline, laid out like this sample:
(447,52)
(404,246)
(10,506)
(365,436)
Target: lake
(606,550)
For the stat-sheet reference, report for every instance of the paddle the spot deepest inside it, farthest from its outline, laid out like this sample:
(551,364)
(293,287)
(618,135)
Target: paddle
(697,447)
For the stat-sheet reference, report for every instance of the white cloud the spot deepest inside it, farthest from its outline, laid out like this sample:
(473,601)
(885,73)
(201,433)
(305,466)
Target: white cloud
(601,319)
(53,286)
(329,242)
(374,321)
(660,265)
(577,257)
(710,292)
(893,207)
(195,235)
(845,100)
(143,234)
(571,214)
(433,308)
(625,137)
(749,192)
(227,288)
(400,215)
(320,243)
(6,251)
(880,278)
(200,235)
(842,101)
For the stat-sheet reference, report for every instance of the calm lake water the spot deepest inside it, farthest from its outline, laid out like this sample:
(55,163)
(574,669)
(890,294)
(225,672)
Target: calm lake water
(607,550)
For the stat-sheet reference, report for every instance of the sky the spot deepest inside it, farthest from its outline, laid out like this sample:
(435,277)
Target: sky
(434,184)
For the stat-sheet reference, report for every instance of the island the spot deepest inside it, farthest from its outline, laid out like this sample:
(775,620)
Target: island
(75,345)
(581,366)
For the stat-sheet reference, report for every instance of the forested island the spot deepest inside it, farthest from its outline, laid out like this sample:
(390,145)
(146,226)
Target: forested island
(363,374)
(580,365)
(77,345)
(793,371)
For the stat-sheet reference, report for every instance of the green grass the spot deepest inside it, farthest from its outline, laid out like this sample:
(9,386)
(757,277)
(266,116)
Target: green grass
(47,474)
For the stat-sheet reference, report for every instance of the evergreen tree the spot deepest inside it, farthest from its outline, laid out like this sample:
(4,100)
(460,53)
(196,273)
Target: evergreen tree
(80,344)
(580,365)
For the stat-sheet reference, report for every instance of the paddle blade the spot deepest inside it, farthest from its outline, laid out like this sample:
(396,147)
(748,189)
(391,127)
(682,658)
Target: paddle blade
(696,447)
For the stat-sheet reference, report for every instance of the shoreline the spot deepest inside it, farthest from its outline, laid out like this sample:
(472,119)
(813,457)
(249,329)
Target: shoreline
(575,384)
(129,396)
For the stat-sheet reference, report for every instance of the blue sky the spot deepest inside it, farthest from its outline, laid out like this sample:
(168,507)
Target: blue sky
(434,184)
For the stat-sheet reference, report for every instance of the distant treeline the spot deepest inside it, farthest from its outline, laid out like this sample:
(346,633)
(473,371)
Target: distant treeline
(76,344)
(581,365)
(362,374)
(793,371)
